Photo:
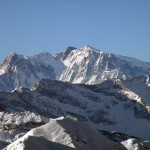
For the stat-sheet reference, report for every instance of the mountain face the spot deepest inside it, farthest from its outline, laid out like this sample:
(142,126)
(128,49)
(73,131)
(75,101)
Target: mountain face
(109,106)
(85,65)
(101,104)
(17,70)
(91,66)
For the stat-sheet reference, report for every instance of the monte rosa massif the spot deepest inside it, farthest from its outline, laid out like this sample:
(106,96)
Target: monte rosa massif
(82,99)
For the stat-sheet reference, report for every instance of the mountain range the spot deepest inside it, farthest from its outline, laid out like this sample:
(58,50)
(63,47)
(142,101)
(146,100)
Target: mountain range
(85,65)
(74,100)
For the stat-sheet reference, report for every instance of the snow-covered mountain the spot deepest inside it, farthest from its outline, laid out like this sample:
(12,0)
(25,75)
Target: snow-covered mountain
(85,65)
(109,106)
(91,66)
(23,71)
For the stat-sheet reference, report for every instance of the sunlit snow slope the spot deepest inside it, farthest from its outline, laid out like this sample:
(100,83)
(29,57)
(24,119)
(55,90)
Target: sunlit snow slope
(77,65)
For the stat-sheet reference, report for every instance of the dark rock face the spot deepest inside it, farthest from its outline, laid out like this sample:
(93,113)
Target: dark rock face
(23,127)
(117,136)
(67,52)
(101,116)
(58,91)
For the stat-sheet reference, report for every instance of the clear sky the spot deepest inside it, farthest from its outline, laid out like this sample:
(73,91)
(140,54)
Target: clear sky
(116,26)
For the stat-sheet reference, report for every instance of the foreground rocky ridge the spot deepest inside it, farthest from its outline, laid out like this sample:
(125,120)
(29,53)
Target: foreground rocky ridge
(108,106)
(68,134)
(64,134)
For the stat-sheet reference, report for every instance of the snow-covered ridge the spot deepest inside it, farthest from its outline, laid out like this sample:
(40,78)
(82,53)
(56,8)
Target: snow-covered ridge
(68,134)
(64,134)
(106,106)
(91,66)
(77,65)
(47,59)
(23,71)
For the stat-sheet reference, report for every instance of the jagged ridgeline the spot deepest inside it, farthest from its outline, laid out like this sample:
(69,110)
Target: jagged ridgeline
(85,65)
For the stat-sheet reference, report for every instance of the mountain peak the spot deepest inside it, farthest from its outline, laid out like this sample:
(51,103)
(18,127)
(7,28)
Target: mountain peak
(88,47)
(12,54)
(10,58)
(67,51)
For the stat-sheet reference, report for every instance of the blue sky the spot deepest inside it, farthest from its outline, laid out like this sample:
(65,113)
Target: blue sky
(116,26)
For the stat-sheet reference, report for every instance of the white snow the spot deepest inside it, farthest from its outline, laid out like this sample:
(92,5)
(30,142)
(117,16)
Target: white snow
(67,132)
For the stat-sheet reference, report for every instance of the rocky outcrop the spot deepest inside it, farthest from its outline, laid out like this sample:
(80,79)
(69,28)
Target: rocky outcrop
(65,134)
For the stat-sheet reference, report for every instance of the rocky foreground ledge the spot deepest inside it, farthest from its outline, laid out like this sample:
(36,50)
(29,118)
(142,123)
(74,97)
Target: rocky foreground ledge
(69,134)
